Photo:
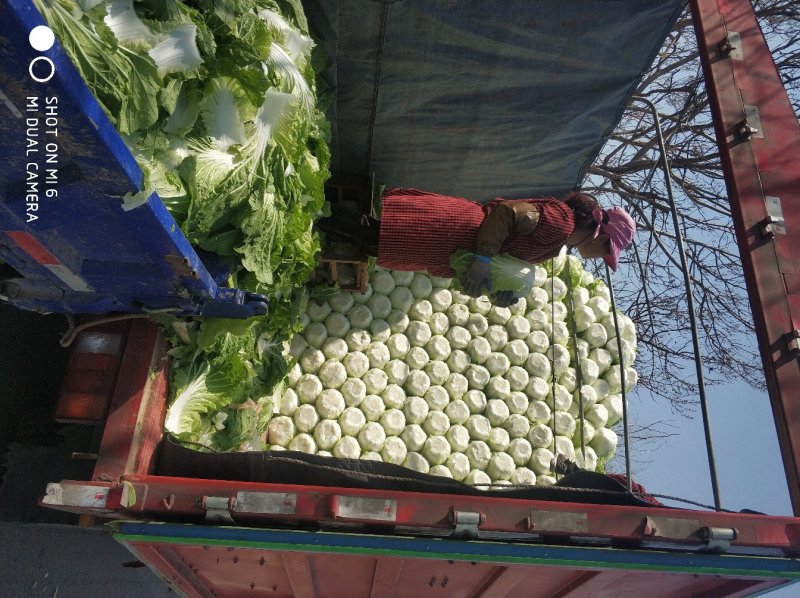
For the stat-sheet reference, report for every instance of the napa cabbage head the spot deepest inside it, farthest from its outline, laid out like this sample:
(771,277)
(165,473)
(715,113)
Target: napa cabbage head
(508,273)
(198,390)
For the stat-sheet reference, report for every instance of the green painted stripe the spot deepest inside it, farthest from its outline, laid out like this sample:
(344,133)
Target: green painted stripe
(505,559)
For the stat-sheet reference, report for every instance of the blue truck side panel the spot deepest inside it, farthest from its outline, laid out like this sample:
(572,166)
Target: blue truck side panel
(65,230)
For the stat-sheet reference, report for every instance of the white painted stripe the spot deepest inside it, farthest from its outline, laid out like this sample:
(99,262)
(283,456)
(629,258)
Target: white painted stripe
(14,110)
(281,503)
(356,507)
(76,495)
(75,282)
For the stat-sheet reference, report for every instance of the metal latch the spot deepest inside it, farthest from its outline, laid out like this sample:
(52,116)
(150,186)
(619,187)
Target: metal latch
(793,342)
(718,539)
(218,508)
(731,46)
(746,130)
(773,224)
(466,523)
(768,227)
(750,127)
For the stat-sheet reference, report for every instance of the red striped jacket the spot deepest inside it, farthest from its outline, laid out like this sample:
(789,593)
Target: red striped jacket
(420,230)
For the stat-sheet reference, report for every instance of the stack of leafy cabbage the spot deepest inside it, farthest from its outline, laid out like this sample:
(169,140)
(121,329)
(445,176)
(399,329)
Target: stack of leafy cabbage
(217,101)
(416,373)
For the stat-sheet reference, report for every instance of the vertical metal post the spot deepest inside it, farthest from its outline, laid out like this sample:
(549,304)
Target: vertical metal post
(626,437)
(687,281)
(759,141)
(578,370)
(553,358)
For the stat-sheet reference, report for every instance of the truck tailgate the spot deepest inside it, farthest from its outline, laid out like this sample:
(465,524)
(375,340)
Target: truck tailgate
(233,562)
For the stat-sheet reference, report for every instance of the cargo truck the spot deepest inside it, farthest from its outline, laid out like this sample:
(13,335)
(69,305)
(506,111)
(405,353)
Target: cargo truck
(241,525)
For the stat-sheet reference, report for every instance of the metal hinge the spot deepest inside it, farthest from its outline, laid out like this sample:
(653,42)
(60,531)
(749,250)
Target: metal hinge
(717,539)
(731,46)
(218,508)
(466,523)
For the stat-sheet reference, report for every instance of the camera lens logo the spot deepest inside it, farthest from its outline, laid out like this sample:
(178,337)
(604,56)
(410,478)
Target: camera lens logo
(41,68)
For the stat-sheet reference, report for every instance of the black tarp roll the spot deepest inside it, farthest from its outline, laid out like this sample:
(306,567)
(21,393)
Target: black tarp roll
(293,467)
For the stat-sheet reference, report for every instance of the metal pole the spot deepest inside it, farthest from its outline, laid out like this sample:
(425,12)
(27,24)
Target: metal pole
(553,360)
(690,303)
(623,382)
(578,372)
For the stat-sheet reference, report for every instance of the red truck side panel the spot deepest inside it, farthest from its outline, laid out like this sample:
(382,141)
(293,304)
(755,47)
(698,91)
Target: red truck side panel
(759,139)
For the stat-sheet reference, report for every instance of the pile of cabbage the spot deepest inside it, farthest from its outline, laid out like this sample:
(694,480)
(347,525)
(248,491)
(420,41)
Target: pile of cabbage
(416,373)
(217,101)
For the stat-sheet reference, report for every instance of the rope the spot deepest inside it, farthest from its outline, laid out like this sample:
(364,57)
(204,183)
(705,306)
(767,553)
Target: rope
(578,372)
(446,482)
(377,86)
(622,381)
(553,350)
(73,331)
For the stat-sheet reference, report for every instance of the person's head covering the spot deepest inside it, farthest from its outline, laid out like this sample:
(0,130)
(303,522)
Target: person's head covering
(615,222)
(620,228)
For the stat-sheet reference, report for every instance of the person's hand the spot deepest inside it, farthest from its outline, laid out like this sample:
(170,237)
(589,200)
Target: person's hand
(504,299)
(476,278)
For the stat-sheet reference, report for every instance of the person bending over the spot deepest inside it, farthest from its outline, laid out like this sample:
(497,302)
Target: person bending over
(419,231)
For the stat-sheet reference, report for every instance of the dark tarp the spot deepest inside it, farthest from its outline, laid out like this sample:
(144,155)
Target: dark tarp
(292,467)
(482,99)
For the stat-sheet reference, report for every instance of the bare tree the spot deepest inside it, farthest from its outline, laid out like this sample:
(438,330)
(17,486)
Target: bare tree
(627,173)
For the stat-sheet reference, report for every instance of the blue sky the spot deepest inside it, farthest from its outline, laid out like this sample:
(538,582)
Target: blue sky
(749,465)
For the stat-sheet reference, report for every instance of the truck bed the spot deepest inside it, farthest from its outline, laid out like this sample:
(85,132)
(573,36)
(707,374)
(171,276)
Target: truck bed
(298,539)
